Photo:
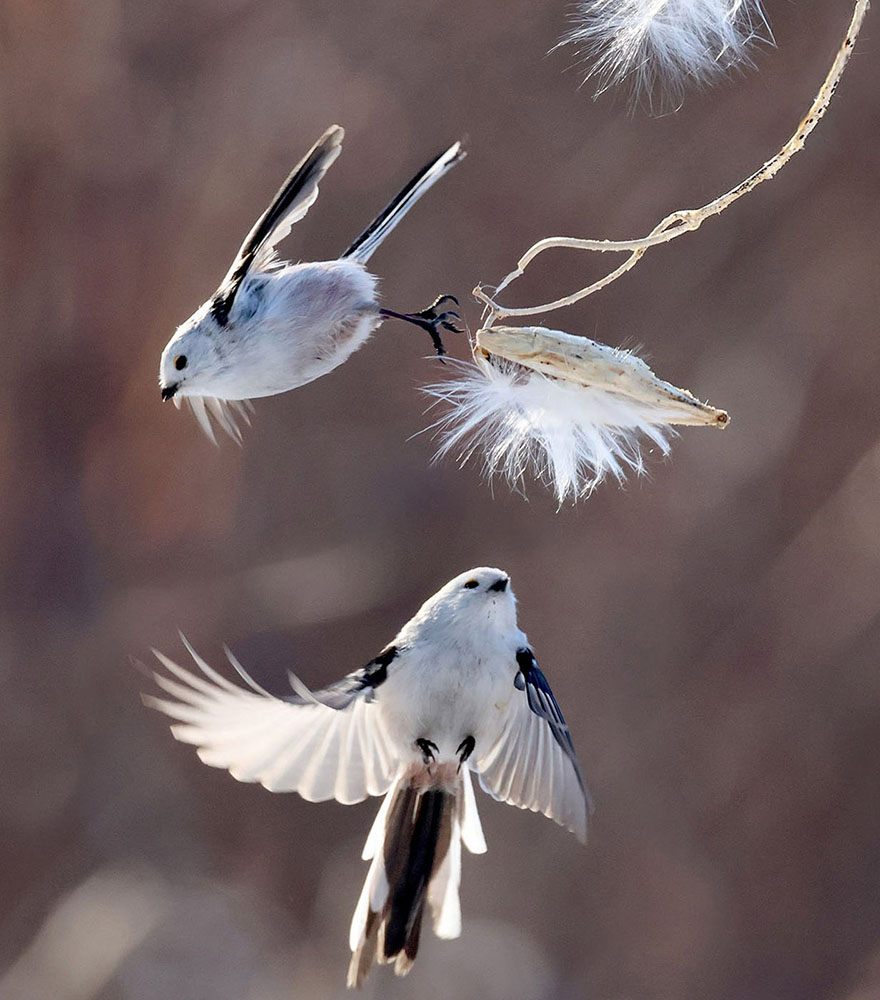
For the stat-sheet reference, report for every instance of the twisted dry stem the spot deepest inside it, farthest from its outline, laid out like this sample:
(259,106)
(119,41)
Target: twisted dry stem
(685,220)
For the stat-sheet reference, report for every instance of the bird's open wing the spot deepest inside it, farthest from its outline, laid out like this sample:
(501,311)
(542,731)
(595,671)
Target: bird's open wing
(295,197)
(326,746)
(532,764)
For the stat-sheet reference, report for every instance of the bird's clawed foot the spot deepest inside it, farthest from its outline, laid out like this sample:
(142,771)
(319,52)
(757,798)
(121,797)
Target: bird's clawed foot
(465,749)
(428,750)
(431,320)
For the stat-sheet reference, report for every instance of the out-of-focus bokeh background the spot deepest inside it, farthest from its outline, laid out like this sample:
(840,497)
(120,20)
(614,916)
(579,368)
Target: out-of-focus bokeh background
(711,630)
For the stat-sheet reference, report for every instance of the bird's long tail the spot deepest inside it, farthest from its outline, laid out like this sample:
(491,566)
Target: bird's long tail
(415,850)
(366,244)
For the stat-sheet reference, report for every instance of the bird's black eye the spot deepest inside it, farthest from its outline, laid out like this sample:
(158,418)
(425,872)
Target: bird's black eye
(180,362)
(471,584)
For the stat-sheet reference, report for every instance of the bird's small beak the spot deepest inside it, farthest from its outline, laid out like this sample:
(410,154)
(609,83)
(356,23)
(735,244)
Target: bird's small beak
(500,585)
(168,391)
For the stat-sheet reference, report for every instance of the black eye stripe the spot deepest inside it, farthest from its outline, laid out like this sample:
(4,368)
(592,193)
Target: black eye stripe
(471,584)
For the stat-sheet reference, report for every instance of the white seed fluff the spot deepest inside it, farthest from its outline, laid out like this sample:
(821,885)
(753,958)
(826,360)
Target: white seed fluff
(660,46)
(567,435)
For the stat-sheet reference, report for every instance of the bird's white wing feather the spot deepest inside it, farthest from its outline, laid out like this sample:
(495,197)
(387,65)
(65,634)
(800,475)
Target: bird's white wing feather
(317,751)
(293,200)
(527,767)
(295,197)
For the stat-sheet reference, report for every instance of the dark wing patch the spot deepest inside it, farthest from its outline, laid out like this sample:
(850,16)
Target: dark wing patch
(359,683)
(306,174)
(544,705)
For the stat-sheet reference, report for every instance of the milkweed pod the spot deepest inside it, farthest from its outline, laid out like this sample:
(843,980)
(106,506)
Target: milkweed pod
(566,409)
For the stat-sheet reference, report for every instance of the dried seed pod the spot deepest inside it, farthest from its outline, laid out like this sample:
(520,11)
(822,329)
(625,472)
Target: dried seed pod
(566,408)
(597,366)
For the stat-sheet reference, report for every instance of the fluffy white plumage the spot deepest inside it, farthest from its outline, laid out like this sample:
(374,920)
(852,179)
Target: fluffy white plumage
(457,692)
(663,45)
(583,420)
(273,325)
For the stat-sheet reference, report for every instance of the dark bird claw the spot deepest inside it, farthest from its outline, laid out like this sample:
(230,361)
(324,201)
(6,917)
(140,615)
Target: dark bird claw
(444,321)
(431,320)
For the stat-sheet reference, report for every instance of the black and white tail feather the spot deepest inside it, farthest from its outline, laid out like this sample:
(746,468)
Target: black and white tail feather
(371,238)
(414,847)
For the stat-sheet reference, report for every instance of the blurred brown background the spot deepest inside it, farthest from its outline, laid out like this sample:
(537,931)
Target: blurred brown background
(711,631)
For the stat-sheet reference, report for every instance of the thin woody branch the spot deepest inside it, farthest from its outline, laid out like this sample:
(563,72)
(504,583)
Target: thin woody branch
(684,220)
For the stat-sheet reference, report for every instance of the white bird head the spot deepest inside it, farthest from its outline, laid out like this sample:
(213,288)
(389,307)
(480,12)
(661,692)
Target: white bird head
(200,365)
(191,360)
(479,599)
